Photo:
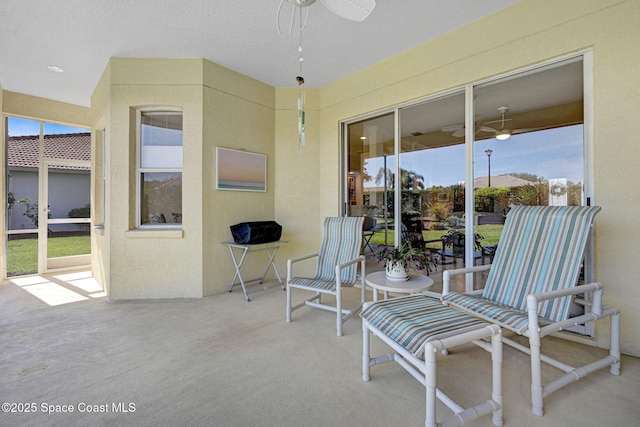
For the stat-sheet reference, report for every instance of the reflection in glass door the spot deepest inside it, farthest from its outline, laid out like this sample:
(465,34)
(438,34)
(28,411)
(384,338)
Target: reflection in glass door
(536,153)
(432,171)
(370,179)
(465,158)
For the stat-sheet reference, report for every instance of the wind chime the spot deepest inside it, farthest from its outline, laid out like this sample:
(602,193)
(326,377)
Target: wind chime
(287,26)
(300,81)
(354,10)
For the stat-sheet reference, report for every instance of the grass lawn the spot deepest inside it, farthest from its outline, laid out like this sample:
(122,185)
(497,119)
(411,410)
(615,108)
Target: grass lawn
(22,254)
(489,232)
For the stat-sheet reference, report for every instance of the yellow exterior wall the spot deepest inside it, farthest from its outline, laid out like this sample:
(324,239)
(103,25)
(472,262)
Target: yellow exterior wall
(528,32)
(238,114)
(33,107)
(220,108)
(298,207)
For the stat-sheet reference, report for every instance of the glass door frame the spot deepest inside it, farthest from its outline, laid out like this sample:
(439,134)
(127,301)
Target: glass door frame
(586,56)
(46,264)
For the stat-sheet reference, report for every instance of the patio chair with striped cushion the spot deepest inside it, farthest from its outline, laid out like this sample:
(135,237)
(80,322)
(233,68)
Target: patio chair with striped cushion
(532,284)
(337,268)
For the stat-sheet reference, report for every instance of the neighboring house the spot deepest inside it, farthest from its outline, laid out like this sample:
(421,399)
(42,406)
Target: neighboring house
(500,181)
(69,186)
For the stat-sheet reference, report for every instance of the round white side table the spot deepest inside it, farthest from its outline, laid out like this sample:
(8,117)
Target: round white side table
(415,284)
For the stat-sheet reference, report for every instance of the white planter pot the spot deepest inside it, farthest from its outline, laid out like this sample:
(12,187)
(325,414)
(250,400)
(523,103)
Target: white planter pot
(398,273)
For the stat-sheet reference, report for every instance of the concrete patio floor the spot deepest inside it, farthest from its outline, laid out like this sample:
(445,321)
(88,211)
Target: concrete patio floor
(220,361)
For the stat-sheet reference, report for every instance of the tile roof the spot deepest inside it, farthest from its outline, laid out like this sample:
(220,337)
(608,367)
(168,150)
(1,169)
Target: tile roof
(22,151)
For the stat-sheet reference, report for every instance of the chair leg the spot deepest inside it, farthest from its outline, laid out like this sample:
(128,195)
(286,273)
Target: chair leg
(339,311)
(288,308)
(430,386)
(614,347)
(536,375)
(496,359)
(366,351)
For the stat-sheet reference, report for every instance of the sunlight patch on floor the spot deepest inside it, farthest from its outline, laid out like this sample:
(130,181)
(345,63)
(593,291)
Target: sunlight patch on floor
(61,288)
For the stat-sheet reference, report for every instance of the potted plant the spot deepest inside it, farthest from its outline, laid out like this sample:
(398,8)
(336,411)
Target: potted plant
(399,259)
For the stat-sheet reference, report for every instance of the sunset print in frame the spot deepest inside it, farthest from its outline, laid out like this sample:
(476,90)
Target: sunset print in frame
(240,170)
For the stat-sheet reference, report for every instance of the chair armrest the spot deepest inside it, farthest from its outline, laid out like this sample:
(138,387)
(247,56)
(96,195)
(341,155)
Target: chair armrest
(596,307)
(446,276)
(534,299)
(292,261)
(348,263)
(339,267)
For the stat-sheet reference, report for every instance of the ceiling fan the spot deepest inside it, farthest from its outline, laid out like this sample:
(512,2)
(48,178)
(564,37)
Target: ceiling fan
(503,133)
(292,10)
(458,130)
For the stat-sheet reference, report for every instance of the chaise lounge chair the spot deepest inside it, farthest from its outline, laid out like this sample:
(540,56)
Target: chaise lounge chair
(532,284)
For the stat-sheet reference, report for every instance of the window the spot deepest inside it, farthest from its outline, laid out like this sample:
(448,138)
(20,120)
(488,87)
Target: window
(160,168)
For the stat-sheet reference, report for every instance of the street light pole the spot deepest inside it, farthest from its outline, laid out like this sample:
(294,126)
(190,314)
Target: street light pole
(489,151)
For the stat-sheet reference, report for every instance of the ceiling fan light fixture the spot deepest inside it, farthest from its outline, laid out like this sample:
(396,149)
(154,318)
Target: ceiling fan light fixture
(503,134)
(302,3)
(353,10)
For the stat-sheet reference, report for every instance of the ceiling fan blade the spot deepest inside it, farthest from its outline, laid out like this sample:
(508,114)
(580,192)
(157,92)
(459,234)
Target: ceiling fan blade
(452,128)
(353,10)
(517,131)
(459,133)
(496,121)
(485,129)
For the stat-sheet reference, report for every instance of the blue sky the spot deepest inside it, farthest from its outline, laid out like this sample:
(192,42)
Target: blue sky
(20,127)
(553,153)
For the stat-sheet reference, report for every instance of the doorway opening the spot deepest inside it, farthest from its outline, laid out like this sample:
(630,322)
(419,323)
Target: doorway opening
(48,197)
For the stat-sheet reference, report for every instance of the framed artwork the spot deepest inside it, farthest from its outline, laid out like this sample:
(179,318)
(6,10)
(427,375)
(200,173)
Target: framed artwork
(240,170)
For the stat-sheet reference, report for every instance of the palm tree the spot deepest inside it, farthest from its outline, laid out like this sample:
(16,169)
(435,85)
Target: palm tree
(411,180)
(386,176)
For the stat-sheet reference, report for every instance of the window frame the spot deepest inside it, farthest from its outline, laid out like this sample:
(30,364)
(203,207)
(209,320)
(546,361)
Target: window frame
(141,170)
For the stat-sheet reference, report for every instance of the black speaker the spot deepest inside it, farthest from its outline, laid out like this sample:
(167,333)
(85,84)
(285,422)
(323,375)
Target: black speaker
(256,232)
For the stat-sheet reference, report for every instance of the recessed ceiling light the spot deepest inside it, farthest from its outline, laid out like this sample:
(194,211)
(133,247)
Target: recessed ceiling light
(55,68)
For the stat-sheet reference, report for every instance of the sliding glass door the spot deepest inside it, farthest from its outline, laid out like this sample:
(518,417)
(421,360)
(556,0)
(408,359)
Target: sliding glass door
(453,165)
(371,177)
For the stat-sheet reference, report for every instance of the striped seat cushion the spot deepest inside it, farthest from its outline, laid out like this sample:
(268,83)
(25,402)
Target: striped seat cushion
(414,320)
(540,250)
(341,241)
(500,314)
(311,284)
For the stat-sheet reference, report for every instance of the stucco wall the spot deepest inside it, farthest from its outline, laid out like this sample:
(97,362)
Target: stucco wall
(153,263)
(524,34)
(238,114)
(297,205)
(220,108)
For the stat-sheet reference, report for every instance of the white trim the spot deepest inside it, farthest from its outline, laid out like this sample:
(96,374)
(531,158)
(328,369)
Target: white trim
(155,110)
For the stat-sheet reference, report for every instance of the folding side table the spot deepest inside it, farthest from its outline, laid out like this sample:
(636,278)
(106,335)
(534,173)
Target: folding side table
(239,253)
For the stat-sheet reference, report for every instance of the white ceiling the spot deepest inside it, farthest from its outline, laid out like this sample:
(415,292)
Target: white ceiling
(81,35)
